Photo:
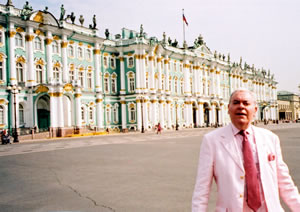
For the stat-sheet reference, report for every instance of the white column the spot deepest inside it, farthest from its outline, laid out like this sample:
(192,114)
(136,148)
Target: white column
(29,109)
(218,82)
(186,73)
(30,66)
(60,108)
(139,114)
(124,118)
(169,112)
(206,82)
(154,111)
(231,83)
(53,108)
(49,56)
(167,68)
(143,70)
(78,115)
(197,116)
(98,67)
(145,108)
(161,113)
(12,62)
(151,69)
(64,55)
(159,61)
(201,114)
(122,69)
(213,113)
(138,72)
(200,81)
(212,82)
(99,113)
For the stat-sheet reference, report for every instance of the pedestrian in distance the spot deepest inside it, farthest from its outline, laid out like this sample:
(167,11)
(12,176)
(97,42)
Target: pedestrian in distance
(158,129)
(246,163)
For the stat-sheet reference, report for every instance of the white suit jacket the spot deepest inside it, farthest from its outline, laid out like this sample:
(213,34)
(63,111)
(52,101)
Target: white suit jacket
(220,160)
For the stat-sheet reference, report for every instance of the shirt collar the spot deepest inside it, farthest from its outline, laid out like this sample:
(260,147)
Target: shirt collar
(236,130)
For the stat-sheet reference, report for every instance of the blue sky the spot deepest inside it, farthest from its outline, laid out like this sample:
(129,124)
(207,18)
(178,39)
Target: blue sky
(264,32)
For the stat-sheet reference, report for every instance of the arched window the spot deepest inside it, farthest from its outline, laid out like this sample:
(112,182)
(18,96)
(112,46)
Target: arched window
(132,114)
(114,83)
(1,114)
(105,61)
(71,51)
(91,114)
(21,114)
(106,85)
(181,86)
(131,84)
(20,72)
(80,52)
(39,74)
(1,71)
(56,74)
(176,85)
(71,75)
(112,63)
(83,114)
(115,114)
(55,47)
(88,54)
(108,117)
(89,79)
(37,43)
(18,40)
(81,78)
(130,62)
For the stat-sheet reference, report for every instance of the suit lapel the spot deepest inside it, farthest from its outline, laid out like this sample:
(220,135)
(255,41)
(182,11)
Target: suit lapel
(230,145)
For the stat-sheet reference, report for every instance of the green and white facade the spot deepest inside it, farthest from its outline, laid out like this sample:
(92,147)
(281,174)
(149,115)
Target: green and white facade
(73,79)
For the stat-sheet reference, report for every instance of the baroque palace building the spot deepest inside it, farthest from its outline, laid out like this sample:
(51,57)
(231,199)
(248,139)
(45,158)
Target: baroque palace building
(70,79)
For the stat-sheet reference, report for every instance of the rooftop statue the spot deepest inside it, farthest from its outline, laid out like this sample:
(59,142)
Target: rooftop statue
(223,57)
(200,40)
(106,34)
(94,22)
(72,17)
(81,20)
(164,38)
(228,57)
(175,43)
(215,54)
(62,12)
(169,41)
(26,11)
(141,30)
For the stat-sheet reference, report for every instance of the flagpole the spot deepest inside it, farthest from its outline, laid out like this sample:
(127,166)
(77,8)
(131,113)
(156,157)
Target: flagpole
(183,26)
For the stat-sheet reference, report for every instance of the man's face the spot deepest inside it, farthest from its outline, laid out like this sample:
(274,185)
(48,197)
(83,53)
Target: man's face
(242,109)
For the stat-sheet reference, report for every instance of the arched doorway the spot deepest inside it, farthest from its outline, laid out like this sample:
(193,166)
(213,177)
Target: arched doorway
(206,114)
(43,113)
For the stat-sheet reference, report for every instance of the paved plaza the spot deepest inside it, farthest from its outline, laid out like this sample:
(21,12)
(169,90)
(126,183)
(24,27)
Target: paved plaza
(131,172)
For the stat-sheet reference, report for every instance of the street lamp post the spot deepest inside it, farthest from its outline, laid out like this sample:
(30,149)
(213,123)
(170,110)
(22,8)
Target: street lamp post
(15,90)
(142,101)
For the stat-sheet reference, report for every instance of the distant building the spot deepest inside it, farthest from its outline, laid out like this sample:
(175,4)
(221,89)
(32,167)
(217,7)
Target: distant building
(72,79)
(288,105)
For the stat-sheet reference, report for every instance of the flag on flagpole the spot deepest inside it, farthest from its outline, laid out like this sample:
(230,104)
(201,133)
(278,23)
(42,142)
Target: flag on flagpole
(184,19)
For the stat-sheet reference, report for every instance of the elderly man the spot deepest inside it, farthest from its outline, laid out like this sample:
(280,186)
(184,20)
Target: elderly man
(246,164)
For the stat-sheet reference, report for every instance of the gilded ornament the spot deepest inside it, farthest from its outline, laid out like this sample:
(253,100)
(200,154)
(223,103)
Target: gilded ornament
(68,87)
(64,44)
(19,29)
(2,101)
(77,95)
(48,41)
(39,17)
(96,51)
(71,42)
(56,37)
(29,38)
(11,34)
(42,89)
(121,59)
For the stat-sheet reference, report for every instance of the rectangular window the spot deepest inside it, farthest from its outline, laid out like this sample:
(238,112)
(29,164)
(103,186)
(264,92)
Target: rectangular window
(106,87)
(113,85)
(89,80)
(80,78)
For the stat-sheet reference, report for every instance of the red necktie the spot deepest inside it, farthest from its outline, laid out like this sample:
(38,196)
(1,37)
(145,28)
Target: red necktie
(252,182)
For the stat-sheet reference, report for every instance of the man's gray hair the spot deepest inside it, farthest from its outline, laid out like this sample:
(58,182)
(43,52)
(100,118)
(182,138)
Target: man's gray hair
(253,95)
